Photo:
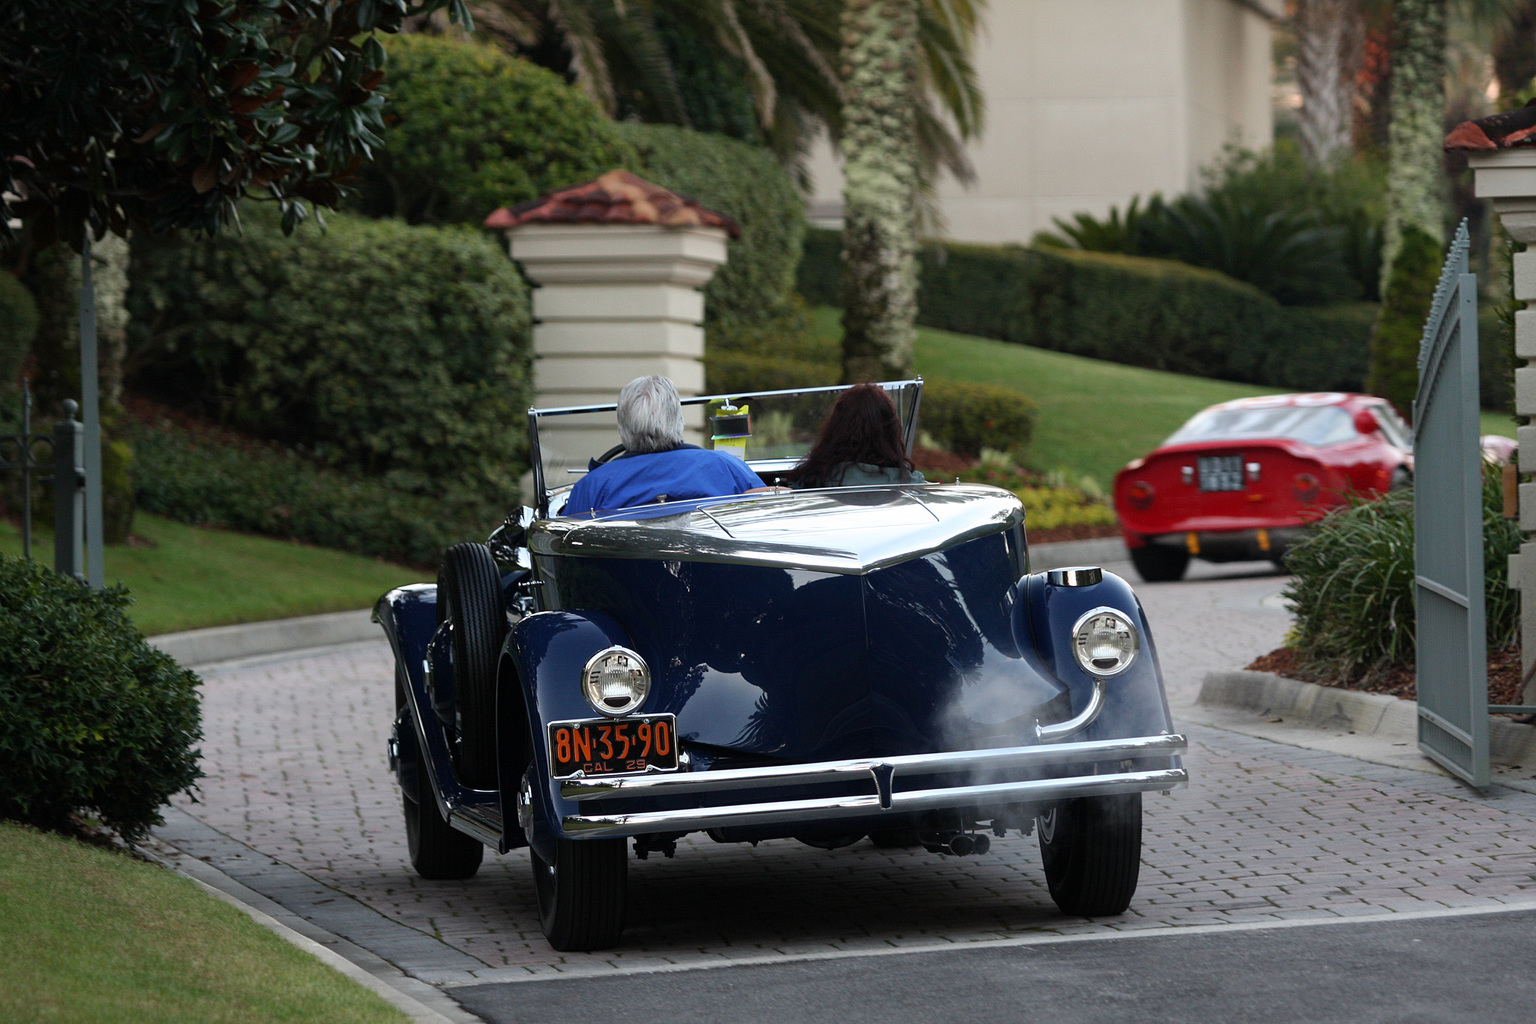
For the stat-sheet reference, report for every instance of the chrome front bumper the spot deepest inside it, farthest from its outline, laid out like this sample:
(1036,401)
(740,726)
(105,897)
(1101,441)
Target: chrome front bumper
(753,786)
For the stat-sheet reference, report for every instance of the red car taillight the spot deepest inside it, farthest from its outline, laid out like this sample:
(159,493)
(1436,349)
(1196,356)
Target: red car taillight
(1305,487)
(1140,495)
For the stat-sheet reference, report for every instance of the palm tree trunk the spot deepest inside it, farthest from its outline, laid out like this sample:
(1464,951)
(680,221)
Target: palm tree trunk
(879,69)
(1327,32)
(1415,171)
(1414,231)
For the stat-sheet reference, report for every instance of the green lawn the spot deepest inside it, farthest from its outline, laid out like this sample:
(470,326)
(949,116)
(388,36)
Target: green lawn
(91,936)
(192,577)
(1095,416)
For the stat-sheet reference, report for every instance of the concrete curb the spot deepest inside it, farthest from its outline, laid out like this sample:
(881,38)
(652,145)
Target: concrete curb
(251,639)
(1364,714)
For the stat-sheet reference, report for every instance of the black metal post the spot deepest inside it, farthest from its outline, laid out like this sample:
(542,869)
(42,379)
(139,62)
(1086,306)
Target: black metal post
(69,494)
(26,469)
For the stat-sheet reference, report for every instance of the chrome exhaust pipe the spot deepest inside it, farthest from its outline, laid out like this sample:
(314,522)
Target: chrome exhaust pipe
(956,844)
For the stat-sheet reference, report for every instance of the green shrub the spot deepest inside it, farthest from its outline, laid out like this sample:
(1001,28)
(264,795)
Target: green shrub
(1394,363)
(1354,585)
(1160,314)
(393,351)
(746,183)
(819,276)
(965,418)
(205,479)
(1317,348)
(1281,251)
(475,130)
(1052,508)
(960,417)
(732,372)
(1496,360)
(92,718)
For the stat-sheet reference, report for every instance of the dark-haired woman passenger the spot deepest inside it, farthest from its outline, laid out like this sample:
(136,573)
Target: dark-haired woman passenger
(860,443)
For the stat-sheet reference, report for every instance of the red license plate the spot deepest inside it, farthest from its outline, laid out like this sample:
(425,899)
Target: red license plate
(613,746)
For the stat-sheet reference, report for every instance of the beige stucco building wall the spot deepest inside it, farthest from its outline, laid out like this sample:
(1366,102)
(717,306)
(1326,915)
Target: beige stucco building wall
(1091,102)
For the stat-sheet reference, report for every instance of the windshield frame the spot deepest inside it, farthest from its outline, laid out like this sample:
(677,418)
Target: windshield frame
(899,391)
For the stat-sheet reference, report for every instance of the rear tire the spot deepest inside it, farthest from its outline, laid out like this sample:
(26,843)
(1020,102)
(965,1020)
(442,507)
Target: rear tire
(1156,563)
(438,851)
(1091,847)
(470,598)
(581,893)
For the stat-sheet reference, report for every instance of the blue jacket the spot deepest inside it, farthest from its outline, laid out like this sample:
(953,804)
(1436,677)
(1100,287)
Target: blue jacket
(659,476)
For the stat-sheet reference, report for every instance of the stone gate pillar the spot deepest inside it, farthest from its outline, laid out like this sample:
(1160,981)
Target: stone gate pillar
(1501,150)
(617,264)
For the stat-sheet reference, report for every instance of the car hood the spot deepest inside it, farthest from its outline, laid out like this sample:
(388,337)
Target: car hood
(849,530)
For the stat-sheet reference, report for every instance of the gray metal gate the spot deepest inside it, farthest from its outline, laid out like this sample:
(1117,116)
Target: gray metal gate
(1448,530)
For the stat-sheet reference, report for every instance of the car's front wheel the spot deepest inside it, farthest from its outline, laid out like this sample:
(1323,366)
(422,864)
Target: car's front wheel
(581,892)
(1157,563)
(1091,847)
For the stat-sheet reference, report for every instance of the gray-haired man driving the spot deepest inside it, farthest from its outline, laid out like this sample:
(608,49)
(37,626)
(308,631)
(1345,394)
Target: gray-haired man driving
(657,465)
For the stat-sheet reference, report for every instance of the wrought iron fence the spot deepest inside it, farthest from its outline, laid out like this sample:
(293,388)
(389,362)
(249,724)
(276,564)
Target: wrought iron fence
(64,463)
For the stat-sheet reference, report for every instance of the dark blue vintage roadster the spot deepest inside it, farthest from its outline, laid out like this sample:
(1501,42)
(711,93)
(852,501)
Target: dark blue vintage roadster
(821,665)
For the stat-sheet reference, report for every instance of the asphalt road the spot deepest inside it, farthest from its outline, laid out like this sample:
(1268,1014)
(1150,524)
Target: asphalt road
(1464,969)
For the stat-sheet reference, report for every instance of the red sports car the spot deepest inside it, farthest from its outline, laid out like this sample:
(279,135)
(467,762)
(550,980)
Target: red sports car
(1241,480)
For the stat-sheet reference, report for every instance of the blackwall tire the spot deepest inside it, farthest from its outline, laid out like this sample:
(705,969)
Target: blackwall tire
(1156,563)
(1091,848)
(469,596)
(437,850)
(582,892)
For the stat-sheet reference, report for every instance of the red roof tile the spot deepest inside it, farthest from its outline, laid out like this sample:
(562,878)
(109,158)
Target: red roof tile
(618,197)
(1496,131)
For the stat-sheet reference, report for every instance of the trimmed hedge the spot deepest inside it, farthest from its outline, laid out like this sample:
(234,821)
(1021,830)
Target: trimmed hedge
(1160,314)
(728,372)
(746,183)
(207,480)
(1406,301)
(396,352)
(474,129)
(965,418)
(92,718)
(961,417)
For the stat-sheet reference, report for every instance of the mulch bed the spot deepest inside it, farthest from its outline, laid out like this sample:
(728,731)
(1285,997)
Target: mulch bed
(1504,683)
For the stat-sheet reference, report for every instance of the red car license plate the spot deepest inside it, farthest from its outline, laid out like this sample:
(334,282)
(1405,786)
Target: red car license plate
(1221,472)
(613,746)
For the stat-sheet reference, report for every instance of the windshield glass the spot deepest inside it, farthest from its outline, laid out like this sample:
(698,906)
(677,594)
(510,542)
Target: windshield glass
(1314,425)
(771,430)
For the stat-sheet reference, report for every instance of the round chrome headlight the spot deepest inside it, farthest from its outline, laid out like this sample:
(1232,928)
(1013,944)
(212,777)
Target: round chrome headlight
(616,681)
(1105,642)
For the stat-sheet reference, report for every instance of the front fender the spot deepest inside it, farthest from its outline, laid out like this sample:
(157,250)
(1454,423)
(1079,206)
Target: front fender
(548,651)
(1135,703)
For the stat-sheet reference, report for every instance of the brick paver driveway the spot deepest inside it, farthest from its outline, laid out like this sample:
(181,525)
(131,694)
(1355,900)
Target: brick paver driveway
(298,803)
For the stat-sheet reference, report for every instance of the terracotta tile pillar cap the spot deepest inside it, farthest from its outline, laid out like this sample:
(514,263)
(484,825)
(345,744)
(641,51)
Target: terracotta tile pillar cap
(618,197)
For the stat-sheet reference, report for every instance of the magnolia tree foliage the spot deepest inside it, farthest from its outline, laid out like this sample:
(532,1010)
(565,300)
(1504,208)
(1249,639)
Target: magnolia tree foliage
(165,113)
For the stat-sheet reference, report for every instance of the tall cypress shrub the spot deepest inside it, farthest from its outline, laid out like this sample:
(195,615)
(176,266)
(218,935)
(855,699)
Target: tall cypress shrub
(1410,291)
